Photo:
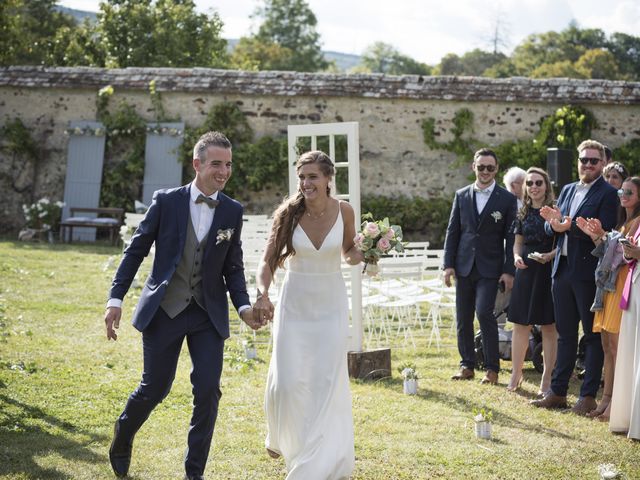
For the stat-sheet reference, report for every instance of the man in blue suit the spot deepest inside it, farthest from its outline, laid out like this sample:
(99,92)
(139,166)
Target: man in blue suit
(573,276)
(198,258)
(478,252)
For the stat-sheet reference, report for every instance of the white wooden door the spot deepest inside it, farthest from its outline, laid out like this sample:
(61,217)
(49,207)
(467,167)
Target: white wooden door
(324,137)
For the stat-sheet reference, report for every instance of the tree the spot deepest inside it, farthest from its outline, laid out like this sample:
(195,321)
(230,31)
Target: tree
(292,25)
(450,64)
(598,63)
(564,68)
(165,33)
(384,58)
(253,54)
(28,29)
(626,50)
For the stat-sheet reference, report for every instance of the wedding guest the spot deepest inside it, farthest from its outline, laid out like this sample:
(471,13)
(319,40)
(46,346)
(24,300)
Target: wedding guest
(196,232)
(531,301)
(573,284)
(611,275)
(615,173)
(625,403)
(513,181)
(478,252)
(307,397)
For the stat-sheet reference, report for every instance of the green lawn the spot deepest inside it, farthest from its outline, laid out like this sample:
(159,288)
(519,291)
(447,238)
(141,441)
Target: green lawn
(62,386)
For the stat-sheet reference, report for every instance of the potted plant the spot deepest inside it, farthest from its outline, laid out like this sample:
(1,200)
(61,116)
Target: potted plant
(609,471)
(482,419)
(43,216)
(248,343)
(410,378)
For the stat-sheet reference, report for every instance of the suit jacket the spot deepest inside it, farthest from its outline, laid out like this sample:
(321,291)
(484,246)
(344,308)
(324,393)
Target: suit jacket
(601,202)
(486,240)
(166,224)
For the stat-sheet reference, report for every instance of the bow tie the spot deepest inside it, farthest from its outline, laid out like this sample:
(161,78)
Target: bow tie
(481,190)
(211,203)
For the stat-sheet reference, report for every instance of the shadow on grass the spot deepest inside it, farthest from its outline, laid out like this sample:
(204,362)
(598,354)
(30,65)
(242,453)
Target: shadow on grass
(22,444)
(468,405)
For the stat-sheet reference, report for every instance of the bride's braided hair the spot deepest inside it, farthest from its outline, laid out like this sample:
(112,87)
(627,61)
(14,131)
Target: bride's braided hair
(287,215)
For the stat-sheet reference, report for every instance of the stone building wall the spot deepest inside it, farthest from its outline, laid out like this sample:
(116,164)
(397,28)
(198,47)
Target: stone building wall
(394,158)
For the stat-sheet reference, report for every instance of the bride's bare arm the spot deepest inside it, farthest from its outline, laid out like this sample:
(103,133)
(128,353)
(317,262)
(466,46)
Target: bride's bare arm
(351,254)
(263,309)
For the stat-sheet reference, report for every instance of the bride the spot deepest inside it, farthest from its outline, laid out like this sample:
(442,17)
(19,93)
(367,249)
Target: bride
(307,398)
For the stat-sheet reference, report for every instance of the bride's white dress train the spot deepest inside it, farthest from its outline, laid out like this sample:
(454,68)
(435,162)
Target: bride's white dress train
(307,398)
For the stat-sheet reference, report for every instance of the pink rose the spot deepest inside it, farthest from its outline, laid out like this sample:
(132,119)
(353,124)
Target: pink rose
(383,245)
(389,234)
(371,229)
(359,240)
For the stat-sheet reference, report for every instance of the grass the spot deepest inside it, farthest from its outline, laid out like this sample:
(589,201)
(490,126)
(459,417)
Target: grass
(62,386)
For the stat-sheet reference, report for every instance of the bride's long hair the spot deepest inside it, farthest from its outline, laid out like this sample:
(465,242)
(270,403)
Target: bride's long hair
(287,215)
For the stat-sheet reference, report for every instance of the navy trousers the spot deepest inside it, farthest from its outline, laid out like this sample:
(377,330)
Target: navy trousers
(476,295)
(572,301)
(162,341)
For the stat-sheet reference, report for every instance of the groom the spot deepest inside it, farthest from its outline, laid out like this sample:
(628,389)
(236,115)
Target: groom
(478,252)
(198,257)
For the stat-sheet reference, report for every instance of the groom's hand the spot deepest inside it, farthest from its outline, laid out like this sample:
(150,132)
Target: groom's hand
(112,321)
(248,317)
(449,273)
(508,281)
(263,310)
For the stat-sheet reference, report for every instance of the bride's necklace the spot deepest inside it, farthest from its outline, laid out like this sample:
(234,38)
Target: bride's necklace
(315,217)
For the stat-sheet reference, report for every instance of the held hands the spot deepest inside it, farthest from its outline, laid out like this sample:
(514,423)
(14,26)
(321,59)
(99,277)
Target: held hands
(263,310)
(248,317)
(112,321)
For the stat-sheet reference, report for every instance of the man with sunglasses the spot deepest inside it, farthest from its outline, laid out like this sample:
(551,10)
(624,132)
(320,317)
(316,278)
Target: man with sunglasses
(478,252)
(573,276)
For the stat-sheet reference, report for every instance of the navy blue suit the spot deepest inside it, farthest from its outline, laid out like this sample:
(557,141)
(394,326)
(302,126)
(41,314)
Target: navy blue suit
(480,249)
(166,224)
(574,286)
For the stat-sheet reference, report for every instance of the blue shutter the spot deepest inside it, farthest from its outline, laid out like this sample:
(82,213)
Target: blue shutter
(162,167)
(85,156)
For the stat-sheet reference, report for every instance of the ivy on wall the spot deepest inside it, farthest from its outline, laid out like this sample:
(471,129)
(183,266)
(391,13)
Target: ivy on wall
(18,145)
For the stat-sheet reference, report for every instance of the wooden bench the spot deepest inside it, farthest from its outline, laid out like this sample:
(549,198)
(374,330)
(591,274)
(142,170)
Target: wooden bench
(110,220)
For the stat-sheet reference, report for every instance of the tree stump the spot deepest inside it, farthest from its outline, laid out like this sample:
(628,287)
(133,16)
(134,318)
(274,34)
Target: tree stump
(370,364)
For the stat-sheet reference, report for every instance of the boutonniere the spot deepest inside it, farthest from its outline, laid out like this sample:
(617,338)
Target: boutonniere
(224,235)
(496,216)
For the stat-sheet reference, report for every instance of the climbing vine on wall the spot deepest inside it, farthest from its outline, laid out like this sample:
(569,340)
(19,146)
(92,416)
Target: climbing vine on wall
(17,144)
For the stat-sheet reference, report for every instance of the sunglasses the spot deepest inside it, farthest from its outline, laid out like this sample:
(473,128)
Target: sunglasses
(625,192)
(488,168)
(538,183)
(592,160)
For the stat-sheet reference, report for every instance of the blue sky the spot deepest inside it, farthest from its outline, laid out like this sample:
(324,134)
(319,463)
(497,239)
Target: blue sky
(428,29)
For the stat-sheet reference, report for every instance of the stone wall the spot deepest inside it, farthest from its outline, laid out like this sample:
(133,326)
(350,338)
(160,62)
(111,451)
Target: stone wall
(394,158)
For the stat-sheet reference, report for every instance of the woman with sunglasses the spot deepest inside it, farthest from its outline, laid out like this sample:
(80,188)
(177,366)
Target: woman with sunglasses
(531,301)
(611,270)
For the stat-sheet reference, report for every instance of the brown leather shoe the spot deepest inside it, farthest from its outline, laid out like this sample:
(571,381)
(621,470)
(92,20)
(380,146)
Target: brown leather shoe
(550,400)
(490,377)
(464,374)
(584,405)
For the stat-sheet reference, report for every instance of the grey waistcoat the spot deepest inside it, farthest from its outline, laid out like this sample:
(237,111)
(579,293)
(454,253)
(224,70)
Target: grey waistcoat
(186,282)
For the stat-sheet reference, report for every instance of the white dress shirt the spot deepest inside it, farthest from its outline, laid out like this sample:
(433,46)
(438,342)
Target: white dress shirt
(482,195)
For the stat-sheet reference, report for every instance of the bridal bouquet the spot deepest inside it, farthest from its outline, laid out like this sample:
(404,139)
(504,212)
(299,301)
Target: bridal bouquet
(377,238)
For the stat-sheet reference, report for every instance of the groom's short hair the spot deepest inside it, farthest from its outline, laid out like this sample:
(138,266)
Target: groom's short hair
(485,152)
(210,139)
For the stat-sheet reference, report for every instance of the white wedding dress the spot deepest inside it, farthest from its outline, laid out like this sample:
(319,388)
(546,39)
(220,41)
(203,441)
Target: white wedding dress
(307,399)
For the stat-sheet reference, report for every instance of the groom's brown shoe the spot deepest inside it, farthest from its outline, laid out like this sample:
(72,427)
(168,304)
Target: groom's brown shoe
(584,405)
(550,400)
(463,374)
(120,452)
